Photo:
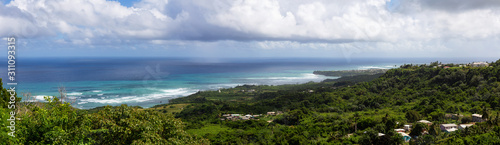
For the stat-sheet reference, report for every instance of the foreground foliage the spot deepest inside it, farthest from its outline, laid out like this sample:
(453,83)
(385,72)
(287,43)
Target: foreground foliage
(56,122)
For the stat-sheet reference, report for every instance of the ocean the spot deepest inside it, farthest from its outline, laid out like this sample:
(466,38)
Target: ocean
(93,82)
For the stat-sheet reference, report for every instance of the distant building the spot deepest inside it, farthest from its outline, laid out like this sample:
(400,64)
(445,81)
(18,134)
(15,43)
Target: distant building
(407,127)
(271,113)
(399,130)
(463,126)
(477,118)
(445,67)
(453,116)
(244,118)
(406,137)
(448,127)
(279,112)
(479,64)
(425,122)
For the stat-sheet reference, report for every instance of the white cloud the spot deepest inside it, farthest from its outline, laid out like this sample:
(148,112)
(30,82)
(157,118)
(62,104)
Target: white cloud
(380,24)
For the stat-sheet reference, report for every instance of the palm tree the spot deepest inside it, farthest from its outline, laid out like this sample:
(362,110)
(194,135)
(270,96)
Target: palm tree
(485,114)
(356,117)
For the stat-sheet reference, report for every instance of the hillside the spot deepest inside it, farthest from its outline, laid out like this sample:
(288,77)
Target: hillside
(343,73)
(363,109)
(327,112)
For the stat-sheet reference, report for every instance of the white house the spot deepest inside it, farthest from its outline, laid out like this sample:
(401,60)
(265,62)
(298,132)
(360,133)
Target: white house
(406,137)
(479,64)
(425,122)
(399,130)
(477,118)
(448,127)
(407,127)
(463,126)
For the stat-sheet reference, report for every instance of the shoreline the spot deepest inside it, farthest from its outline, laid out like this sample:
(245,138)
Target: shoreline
(332,78)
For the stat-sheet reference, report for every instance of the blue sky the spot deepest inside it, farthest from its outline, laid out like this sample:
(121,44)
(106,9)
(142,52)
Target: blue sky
(253,28)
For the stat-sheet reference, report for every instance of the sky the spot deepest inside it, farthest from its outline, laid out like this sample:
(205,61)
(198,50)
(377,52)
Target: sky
(252,28)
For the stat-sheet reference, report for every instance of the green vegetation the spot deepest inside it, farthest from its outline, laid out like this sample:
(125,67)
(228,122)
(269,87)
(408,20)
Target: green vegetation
(362,109)
(326,112)
(169,108)
(343,73)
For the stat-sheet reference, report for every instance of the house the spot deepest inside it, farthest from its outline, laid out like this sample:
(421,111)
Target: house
(425,122)
(244,118)
(479,64)
(399,130)
(446,67)
(463,126)
(407,127)
(406,137)
(232,118)
(453,116)
(477,118)
(279,112)
(271,113)
(448,127)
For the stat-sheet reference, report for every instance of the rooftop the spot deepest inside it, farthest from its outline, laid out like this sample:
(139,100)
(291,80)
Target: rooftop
(424,121)
(451,130)
(448,125)
(465,125)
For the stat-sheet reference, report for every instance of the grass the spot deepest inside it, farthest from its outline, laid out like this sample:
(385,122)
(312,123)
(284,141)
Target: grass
(209,128)
(171,108)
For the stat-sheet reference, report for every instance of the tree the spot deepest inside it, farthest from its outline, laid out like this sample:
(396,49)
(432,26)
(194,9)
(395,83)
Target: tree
(127,125)
(434,129)
(5,96)
(412,115)
(369,137)
(486,114)
(417,129)
(356,117)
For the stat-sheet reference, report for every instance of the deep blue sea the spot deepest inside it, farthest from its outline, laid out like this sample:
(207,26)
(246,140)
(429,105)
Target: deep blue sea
(146,82)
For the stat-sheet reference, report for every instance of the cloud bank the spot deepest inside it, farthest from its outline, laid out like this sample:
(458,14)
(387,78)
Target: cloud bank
(268,23)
